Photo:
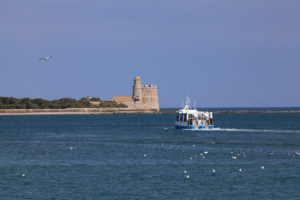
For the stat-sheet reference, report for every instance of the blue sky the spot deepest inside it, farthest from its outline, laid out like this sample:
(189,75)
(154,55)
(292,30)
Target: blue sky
(225,53)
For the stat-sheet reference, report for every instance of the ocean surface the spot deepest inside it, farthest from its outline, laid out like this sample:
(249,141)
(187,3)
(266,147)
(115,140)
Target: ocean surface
(249,156)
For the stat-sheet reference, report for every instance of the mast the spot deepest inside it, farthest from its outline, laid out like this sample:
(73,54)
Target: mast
(187,103)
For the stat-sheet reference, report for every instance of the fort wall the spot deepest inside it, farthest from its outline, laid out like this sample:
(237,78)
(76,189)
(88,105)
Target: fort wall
(143,96)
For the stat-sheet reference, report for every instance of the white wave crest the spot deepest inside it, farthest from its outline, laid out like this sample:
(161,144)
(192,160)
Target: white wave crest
(255,130)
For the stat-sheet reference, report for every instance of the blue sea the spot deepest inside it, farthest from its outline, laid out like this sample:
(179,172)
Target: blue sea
(141,156)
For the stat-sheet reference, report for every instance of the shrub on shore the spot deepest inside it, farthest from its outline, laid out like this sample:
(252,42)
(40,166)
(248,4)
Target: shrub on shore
(38,103)
(112,104)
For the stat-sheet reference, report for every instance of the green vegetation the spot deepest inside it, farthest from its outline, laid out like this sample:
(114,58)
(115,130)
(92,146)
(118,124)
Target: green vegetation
(95,99)
(112,104)
(27,103)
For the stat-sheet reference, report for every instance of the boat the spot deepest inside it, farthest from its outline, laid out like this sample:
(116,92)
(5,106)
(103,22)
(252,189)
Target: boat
(192,119)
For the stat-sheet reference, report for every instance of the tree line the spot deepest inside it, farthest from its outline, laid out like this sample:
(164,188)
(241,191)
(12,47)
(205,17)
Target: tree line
(39,103)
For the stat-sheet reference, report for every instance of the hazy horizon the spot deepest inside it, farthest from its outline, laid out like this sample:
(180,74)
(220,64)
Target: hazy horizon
(224,54)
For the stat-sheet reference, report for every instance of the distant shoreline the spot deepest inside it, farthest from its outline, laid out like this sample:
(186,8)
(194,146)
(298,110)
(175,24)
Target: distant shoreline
(72,111)
(240,111)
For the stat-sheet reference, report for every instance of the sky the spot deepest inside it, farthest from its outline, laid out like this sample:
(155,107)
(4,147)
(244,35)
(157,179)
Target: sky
(223,53)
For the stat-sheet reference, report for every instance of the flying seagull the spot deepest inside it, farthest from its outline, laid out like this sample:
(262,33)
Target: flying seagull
(45,58)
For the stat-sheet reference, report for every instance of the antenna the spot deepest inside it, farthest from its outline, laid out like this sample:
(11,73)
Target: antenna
(187,102)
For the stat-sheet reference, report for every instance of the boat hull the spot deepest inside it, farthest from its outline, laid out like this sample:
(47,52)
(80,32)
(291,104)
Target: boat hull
(210,127)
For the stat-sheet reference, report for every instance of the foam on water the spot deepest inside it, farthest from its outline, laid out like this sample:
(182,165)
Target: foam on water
(256,130)
(244,130)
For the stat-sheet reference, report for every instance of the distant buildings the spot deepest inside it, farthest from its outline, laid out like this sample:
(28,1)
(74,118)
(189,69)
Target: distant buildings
(143,96)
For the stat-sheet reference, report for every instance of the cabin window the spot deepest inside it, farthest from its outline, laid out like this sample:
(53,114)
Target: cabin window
(177,117)
(184,117)
(181,117)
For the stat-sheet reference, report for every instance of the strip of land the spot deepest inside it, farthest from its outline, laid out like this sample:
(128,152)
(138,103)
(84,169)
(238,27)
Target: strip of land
(121,111)
(240,111)
(75,111)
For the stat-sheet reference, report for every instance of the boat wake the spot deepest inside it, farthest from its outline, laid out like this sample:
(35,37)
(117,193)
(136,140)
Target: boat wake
(249,130)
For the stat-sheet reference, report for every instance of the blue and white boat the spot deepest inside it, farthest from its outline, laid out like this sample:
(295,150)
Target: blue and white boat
(192,119)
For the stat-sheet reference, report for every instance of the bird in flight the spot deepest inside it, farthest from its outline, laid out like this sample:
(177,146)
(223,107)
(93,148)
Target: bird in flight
(45,58)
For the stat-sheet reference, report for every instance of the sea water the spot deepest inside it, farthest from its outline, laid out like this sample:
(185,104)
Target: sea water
(141,156)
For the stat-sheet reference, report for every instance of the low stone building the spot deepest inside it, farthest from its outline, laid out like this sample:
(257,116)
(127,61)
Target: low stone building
(127,100)
(143,96)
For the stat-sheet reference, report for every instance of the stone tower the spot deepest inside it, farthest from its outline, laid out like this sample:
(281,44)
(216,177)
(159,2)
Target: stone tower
(144,97)
(137,93)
